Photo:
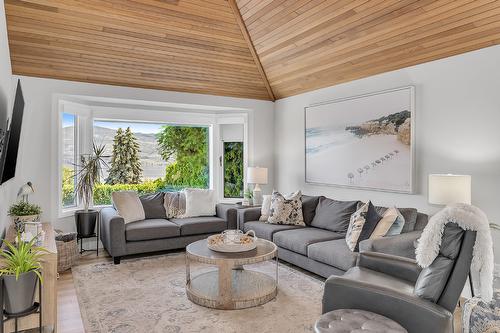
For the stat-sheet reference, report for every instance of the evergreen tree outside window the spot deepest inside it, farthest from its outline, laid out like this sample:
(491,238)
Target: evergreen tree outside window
(125,164)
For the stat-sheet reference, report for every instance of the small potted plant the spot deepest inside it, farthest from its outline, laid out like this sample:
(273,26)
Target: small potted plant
(20,270)
(247,197)
(22,212)
(88,175)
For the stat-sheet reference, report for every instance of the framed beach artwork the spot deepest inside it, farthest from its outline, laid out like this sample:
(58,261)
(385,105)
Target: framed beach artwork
(364,141)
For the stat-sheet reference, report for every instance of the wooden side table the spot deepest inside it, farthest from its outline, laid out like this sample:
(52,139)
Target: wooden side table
(49,289)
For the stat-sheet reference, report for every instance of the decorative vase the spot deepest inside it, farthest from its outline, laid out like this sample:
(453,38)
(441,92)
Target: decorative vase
(85,222)
(19,294)
(20,220)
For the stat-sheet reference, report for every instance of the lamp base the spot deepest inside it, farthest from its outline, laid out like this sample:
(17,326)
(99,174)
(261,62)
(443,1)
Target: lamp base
(257,195)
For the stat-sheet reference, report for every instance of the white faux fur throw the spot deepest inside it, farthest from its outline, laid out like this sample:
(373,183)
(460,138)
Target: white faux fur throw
(468,218)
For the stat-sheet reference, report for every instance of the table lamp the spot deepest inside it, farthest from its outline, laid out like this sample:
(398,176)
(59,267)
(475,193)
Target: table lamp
(448,189)
(257,176)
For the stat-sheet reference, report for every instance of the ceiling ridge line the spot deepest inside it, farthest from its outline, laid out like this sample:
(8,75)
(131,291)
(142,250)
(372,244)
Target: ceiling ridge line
(248,39)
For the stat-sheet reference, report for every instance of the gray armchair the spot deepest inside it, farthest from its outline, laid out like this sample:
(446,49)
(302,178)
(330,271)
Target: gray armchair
(421,300)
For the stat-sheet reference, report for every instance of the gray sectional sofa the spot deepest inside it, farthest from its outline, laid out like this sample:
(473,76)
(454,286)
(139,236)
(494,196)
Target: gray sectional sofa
(156,232)
(320,246)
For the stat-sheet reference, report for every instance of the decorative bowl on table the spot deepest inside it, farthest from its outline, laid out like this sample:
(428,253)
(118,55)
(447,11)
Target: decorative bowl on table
(232,241)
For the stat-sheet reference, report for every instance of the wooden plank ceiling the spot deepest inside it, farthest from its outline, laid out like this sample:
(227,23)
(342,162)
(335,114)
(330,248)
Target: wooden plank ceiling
(180,45)
(217,46)
(309,44)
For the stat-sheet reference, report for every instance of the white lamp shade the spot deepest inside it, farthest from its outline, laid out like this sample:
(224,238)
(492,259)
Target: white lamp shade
(256,175)
(449,189)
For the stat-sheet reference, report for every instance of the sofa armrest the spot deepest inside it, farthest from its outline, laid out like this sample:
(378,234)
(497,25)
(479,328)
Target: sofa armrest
(402,245)
(400,267)
(247,214)
(412,312)
(228,213)
(112,232)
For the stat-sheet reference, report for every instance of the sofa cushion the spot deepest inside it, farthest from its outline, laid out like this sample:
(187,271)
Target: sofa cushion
(378,281)
(372,219)
(309,204)
(334,253)
(153,206)
(333,215)
(151,229)
(174,204)
(432,280)
(200,202)
(298,240)
(200,225)
(356,224)
(267,230)
(128,205)
(286,210)
(410,215)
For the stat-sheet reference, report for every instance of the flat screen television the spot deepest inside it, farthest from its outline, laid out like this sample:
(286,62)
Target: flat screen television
(8,162)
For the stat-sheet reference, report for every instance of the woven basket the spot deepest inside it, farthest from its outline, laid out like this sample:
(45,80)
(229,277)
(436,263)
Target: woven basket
(67,253)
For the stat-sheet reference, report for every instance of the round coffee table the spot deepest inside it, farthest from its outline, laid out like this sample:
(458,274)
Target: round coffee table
(231,286)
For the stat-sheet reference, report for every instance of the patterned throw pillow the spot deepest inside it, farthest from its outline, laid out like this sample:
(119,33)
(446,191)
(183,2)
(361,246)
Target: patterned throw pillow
(356,224)
(286,210)
(390,216)
(175,204)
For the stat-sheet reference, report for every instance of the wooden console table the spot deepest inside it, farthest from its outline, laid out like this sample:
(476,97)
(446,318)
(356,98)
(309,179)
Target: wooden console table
(49,291)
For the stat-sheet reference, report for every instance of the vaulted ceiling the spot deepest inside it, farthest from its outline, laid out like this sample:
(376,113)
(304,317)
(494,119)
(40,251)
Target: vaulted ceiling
(262,49)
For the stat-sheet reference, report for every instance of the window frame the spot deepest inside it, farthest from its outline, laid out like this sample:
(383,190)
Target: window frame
(87,114)
(75,156)
(241,119)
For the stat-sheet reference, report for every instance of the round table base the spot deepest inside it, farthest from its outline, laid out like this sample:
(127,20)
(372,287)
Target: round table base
(249,289)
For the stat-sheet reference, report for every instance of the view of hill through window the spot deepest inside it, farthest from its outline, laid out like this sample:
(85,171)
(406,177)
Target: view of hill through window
(145,157)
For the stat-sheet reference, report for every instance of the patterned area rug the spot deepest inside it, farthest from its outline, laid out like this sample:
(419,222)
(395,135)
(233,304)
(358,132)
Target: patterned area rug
(148,295)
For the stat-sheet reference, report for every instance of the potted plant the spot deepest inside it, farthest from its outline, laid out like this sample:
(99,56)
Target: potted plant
(20,270)
(22,212)
(88,175)
(247,197)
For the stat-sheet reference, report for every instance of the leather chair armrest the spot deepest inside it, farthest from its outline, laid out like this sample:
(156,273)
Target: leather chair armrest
(247,214)
(400,267)
(413,313)
(112,232)
(402,245)
(228,213)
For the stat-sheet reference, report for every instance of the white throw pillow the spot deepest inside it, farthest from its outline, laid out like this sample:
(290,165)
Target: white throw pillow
(385,223)
(128,205)
(266,208)
(286,210)
(199,202)
(356,224)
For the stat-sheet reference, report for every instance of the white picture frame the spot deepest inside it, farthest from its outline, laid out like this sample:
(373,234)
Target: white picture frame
(362,142)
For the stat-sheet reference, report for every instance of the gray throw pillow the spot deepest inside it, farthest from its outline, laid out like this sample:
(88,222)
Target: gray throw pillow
(153,206)
(410,215)
(309,204)
(333,215)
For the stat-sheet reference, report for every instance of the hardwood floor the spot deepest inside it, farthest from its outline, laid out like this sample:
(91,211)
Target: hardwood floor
(69,319)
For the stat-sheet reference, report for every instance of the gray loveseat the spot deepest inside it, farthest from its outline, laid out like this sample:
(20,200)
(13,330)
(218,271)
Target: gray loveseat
(320,246)
(156,232)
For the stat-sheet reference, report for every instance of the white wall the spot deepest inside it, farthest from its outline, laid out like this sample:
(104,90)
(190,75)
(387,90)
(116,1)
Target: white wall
(37,144)
(457,130)
(7,190)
